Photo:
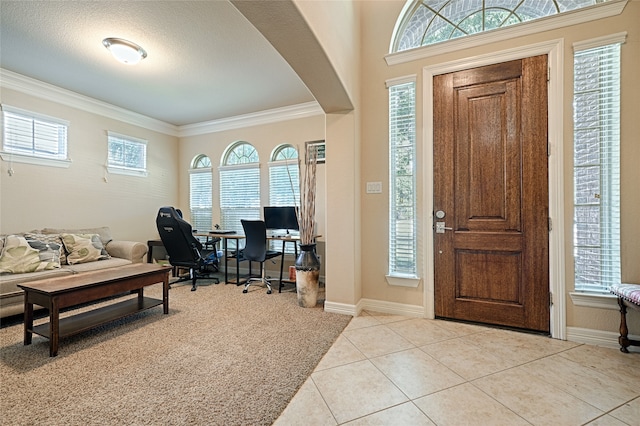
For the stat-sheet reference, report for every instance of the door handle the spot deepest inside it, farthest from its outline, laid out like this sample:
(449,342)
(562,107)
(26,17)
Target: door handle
(440,228)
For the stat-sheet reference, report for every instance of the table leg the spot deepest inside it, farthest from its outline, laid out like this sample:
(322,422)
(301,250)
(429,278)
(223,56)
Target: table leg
(54,327)
(28,320)
(165,294)
(226,257)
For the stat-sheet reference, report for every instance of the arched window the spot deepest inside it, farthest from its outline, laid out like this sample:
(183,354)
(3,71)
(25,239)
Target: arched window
(426,22)
(284,182)
(239,185)
(200,190)
(284,177)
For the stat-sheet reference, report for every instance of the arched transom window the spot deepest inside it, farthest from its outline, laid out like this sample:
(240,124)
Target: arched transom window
(428,22)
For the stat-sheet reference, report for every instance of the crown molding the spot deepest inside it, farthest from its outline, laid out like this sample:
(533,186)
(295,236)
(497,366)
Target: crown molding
(308,109)
(42,90)
(591,13)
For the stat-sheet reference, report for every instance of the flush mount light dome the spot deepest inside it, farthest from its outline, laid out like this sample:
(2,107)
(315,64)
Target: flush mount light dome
(125,51)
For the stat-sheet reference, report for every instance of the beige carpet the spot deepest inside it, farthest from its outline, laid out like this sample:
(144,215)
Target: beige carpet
(220,357)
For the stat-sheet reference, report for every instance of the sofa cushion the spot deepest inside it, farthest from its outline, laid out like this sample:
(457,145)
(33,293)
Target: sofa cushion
(49,238)
(96,266)
(82,248)
(104,232)
(20,255)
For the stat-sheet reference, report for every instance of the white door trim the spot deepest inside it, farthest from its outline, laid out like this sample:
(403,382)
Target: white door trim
(554,49)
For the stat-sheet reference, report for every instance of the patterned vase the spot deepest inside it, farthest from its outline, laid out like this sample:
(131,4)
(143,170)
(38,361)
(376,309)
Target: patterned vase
(307,276)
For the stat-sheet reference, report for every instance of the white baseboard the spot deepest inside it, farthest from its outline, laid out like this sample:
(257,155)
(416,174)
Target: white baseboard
(588,336)
(377,306)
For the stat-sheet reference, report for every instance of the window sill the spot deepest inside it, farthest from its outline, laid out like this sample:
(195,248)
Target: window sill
(403,280)
(11,157)
(119,171)
(594,300)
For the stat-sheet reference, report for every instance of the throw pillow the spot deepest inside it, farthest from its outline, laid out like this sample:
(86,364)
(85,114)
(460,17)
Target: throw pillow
(52,239)
(20,256)
(83,248)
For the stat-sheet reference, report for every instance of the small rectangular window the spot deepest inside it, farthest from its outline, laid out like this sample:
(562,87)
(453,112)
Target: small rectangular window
(30,135)
(127,155)
(402,180)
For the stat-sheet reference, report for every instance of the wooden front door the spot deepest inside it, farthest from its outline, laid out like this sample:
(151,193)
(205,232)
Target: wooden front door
(491,190)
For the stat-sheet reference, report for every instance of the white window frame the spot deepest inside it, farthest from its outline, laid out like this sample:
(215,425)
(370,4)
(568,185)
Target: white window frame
(247,204)
(586,294)
(13,153)
(201,193)
(284,191)
(398,276)
(123,169)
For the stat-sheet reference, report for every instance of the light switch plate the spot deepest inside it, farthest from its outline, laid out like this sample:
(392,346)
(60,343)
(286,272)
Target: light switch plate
(374,187)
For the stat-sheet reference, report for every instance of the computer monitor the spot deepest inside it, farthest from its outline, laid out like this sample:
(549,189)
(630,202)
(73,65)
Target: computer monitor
(281,218)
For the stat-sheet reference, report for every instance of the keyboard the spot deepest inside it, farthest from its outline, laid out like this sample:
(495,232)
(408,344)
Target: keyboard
(222,231)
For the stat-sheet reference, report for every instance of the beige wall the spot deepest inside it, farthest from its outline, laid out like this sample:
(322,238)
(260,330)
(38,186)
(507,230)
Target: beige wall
(78,196)
(378,20)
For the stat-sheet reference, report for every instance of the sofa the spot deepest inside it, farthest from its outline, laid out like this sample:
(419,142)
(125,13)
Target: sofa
(50,252)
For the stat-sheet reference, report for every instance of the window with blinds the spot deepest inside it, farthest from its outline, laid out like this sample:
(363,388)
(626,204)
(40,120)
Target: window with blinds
(200,194)
(239,186)
(284,183)
(596,170)
(127,154)
(34,135)
(402,179)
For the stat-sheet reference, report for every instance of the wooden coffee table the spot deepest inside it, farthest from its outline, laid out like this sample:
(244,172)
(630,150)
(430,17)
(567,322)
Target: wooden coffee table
(62,292)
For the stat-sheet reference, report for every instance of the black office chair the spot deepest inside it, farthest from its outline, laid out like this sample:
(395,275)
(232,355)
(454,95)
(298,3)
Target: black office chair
(256,250)
(183,248)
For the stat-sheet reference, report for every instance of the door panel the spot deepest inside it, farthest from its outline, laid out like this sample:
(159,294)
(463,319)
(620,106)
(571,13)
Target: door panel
(490,179)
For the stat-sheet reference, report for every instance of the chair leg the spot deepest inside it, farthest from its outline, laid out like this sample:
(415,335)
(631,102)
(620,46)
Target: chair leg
(263,279)
(193,279)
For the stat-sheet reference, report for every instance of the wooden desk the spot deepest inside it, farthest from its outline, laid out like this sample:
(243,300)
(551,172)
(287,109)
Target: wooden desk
(237,237)
(62,292)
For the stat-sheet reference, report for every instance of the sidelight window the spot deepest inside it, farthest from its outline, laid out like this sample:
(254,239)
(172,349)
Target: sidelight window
(402,179)
(596,170)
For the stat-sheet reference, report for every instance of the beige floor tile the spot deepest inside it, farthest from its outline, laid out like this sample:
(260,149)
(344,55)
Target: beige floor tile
(612,362)
(421,331)
(377,340)
(515,348)
(306,408)
(606,420)
(403,414)
(386,318)
(416,373)
(535,400)
(356,390)
(342,352)
(465,358)
(362,321)
(460,328)
(588,384)
(628,413)
(466,405)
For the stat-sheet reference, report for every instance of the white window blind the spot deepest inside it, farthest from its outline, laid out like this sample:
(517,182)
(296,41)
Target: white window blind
(126,154)
(402,179)
(200,200)
(35,135)
(596,227)
(239,195)
(284,184)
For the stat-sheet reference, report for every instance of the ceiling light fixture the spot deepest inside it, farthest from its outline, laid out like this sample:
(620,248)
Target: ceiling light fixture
(125,51)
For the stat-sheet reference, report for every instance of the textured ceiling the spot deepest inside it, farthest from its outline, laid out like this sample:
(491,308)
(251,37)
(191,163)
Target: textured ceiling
(205,60)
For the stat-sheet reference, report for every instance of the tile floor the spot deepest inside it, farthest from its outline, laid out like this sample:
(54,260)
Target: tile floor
(393,370)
